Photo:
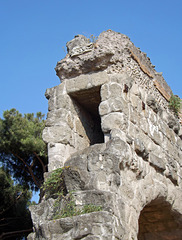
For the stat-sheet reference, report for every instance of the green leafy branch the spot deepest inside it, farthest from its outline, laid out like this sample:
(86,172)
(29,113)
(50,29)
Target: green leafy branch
(175,104)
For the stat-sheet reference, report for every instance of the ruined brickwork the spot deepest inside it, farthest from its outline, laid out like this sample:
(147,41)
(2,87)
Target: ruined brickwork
(110,127)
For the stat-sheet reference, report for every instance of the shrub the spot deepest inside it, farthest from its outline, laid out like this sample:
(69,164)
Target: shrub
(54,184)
(93,38)
(175,104)
(70,210)
(55,187)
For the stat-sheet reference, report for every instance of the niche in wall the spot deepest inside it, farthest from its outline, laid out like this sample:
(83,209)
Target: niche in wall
(158,222)
(87,102)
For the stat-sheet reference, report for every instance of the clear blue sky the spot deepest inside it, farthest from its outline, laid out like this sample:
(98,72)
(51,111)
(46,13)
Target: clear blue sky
(33,36)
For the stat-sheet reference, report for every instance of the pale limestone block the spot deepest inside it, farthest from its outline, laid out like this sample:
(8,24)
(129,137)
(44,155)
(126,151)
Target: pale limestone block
(122,78)
(79,129)
(115,90)
(118,104)
(98,79)
(135,90)
(81,82)
(56,117)
(133,219)
(158,137)
(50,92)
(60,89)
(104,92)
(135,102)
(132,130)
(69,120)
(113,120)
(134,116)
(63,101)
(170,135)
(51,104)
(152,116)
(107,137)
(70,85)
(159,187)
(117,133)
(101,181)
(158,163)
(104,108)
(60,134)
(55,162)
(58,153)
(144,125)
(81,143)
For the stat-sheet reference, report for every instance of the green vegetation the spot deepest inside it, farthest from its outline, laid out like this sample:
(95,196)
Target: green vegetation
(22,150)
(15,220)
(54,186)
(23,159)
(93,38)
(71,210)
(175,104)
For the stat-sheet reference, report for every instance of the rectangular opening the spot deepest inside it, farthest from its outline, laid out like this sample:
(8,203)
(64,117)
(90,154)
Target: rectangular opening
(87,102)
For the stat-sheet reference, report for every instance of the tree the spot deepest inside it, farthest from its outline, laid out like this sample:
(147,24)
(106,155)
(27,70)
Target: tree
(15,220)
(22,150)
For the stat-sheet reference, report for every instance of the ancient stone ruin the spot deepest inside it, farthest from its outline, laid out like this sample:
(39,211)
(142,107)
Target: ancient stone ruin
(120,146)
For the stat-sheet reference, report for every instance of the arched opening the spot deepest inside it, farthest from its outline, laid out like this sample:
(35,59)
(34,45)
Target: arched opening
(87,102)
(158,222)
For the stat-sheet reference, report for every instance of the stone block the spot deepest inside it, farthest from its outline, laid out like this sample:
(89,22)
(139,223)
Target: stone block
(104,108)
(70,85)
(51,104)
(158,163)
(135,90)
(58,134)
(115,90)
(136,102)
(50,93)
(104,92)
(152,103)
(56,117)
(63,101)
(113,120)
(117,104)
(140,148)
(98,79)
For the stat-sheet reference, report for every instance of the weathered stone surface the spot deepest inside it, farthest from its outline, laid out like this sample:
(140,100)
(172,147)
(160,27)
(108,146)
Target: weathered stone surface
(79,45)
(140,149)
(120,146)
(173,123)
(151,102)
(157,162)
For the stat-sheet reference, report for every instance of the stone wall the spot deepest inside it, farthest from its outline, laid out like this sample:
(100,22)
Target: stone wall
(110,127)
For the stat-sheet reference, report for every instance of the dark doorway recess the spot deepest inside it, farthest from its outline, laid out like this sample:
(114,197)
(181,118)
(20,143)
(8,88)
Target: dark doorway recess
(158,222)
(87,102)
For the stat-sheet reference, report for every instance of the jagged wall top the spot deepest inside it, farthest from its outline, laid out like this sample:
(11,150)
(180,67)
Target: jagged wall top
(110,52)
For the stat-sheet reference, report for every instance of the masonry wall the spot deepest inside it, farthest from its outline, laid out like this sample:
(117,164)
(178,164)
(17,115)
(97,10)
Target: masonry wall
(110,127)
(127,111)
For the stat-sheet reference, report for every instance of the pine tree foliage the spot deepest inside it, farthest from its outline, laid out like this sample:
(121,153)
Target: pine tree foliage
(15,220)
(22,150)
